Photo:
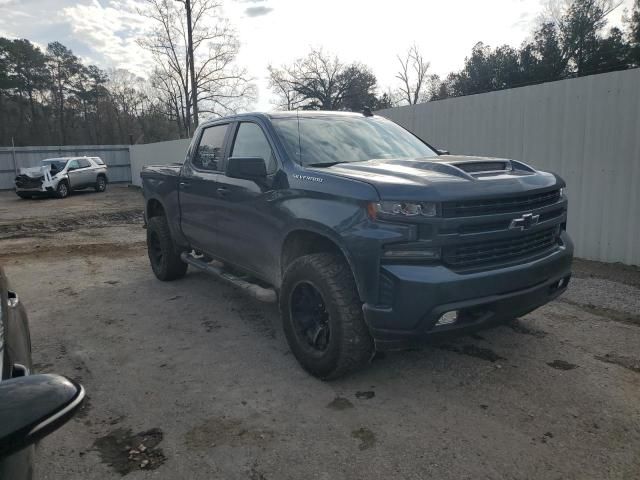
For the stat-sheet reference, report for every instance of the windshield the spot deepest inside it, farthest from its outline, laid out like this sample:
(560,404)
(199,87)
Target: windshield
(340,139)
(56,163)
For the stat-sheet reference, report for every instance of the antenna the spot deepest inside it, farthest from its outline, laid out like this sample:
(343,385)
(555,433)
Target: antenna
(366,111)
(299,141)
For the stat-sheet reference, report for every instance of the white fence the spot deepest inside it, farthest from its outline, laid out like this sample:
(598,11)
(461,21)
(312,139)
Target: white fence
(585,129)
(163,153)
(115,156)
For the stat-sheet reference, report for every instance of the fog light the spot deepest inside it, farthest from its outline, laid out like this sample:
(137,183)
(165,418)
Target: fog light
(415,253)
(448,318)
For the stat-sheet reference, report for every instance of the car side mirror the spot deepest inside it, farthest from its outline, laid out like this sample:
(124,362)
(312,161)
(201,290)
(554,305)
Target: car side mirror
(33,406)
(249,168)
(442,151)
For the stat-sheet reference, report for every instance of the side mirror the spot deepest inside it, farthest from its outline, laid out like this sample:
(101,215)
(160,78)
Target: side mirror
(442,151)
(32,407)
(249,168)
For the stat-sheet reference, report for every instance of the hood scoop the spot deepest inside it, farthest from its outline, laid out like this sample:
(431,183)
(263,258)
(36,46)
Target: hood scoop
(483,167)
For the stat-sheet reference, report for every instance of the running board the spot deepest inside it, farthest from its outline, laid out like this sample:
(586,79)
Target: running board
(267,295)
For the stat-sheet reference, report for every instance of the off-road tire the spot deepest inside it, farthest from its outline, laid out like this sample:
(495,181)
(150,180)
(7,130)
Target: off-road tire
(350,345)
(101,184)
(63,189)
(165,260)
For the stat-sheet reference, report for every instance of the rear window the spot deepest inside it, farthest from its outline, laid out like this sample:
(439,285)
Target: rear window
(83,163)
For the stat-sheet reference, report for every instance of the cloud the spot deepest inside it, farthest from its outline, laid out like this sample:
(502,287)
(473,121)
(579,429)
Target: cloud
(258,11)
(110,31)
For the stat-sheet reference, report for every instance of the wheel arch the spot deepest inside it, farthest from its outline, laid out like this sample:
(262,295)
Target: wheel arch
(308,239)
(154,208)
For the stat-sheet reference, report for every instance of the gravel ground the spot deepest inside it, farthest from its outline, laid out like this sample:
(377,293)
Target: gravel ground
(191,380)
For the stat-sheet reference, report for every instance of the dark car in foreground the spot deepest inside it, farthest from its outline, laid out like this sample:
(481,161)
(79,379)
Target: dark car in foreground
(369,238)
(31,406)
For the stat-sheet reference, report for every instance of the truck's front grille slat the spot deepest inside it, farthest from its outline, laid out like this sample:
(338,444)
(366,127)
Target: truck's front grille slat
(471,208)
(499,251)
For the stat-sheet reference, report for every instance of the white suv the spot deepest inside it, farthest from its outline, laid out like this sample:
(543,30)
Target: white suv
(59,176)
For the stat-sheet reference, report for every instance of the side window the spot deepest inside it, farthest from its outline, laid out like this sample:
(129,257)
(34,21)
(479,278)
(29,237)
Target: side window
(251,142)
(83,163)
(209,152)
(73,165)
(98,160)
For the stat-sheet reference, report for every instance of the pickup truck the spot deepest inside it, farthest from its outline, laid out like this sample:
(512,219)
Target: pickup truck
(367,237)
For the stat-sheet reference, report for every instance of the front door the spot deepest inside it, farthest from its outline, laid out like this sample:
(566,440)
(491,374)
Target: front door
(74,174)
(247,229)
(198,182)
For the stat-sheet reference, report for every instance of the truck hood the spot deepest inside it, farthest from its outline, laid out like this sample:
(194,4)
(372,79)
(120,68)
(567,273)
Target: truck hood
(35,172)
(446,177)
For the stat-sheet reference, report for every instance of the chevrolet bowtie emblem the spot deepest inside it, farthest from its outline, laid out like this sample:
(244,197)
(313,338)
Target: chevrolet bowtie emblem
(525,222)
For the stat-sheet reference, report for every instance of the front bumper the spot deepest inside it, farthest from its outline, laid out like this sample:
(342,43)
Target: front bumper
(422,294)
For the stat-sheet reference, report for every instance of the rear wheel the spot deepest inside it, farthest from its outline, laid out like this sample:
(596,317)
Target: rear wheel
(165,261)
(101,184)
(322,316)
(62,191)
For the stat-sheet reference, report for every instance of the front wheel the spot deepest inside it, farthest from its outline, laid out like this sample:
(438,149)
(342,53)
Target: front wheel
(101,184)
(62,190)
(165,261)
(322,316)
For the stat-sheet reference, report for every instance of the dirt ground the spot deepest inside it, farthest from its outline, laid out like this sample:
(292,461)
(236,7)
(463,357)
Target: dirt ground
(191,380)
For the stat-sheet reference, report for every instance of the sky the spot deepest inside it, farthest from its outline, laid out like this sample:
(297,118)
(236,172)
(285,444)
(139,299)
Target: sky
(373,32)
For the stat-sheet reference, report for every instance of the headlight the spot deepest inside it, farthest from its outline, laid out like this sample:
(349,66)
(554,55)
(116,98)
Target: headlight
(405,209)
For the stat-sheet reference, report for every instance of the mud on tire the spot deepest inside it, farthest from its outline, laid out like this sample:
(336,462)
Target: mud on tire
(164,259)
(347,346)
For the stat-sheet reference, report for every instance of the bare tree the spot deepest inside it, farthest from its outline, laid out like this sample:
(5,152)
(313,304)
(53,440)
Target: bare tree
(287,98)
(321,81)
(212,83)
(413,77)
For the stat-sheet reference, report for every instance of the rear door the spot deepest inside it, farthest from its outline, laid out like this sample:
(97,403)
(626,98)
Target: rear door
(87,172)
(247,228)
(198,198)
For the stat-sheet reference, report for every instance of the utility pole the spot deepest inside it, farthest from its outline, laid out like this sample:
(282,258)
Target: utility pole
(194,88)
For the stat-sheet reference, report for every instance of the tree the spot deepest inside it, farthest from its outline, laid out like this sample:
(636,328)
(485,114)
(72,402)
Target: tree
(412,76)
(287,97)
(633,26)
(219,85)
(580,26)
(29,74)
(542,59)
(487,69)
(322,82)
(64,67)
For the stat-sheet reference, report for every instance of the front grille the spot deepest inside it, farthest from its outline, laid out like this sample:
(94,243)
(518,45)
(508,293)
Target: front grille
(501,251)
(470,208)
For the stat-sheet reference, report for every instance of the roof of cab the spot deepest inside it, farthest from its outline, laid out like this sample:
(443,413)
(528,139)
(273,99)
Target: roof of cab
(285,114)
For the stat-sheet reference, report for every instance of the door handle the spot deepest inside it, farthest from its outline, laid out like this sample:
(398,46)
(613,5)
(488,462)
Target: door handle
(185,185)
(223,192)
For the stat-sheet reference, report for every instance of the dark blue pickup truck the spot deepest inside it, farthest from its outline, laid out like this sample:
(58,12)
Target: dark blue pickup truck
(369,238)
